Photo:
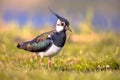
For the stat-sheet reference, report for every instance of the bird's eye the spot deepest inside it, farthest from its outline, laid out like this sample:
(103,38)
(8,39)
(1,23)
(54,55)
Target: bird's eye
(62,24)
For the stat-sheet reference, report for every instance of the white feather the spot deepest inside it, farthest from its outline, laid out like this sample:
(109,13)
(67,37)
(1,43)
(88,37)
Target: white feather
(59,28)
(50,52)
(49,36)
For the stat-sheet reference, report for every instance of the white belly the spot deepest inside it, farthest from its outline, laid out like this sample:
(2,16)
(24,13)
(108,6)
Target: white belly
(50,52)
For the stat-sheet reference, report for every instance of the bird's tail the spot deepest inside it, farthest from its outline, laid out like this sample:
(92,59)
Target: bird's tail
(22,45)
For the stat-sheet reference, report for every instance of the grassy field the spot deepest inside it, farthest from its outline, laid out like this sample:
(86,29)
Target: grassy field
(97,59)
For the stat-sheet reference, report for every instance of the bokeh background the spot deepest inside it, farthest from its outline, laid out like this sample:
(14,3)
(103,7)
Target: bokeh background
(102,15)
(92,49)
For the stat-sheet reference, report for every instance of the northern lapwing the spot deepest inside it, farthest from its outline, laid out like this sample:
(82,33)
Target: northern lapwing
(50,43)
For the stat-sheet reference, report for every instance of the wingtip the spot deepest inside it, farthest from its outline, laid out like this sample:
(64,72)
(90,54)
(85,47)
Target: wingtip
(19,45)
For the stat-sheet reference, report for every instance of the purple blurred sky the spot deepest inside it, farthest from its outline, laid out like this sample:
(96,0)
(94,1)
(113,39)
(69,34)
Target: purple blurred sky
(68,5)
(74,10)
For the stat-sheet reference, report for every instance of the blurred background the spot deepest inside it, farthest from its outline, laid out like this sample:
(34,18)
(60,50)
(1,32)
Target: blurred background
(90,20)
(93,45)
(86,16)
(99,14)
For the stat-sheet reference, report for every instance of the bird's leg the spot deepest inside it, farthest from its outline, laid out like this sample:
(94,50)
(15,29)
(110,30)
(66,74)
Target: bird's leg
(49,63)
(41,63)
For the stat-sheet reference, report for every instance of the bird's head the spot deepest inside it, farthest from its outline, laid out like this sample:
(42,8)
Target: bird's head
(62,23)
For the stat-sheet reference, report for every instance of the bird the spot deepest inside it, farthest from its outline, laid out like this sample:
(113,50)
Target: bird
(50,43)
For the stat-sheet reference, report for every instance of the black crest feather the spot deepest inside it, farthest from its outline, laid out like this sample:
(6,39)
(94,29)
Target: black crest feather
(59,17)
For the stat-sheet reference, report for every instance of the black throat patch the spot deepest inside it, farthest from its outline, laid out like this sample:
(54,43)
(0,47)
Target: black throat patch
(59,38)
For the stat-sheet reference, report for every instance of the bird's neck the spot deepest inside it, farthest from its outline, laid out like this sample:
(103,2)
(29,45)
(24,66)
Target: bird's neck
(59,38)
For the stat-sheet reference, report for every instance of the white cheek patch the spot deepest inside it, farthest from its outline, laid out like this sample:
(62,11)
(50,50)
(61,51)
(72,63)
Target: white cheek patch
(59,28)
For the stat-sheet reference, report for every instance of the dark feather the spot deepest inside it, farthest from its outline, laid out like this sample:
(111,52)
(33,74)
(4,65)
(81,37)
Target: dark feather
(39,44)
(61,18)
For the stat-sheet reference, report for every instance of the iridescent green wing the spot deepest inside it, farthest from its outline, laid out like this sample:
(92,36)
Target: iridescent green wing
(39,44)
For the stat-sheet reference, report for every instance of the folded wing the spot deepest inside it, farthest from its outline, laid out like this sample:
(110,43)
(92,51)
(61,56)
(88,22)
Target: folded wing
(39,44)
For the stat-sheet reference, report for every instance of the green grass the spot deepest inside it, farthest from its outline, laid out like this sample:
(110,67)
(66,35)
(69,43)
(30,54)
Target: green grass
(77,61)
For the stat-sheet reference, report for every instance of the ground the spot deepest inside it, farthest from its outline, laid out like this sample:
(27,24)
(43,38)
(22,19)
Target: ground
(97,59)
